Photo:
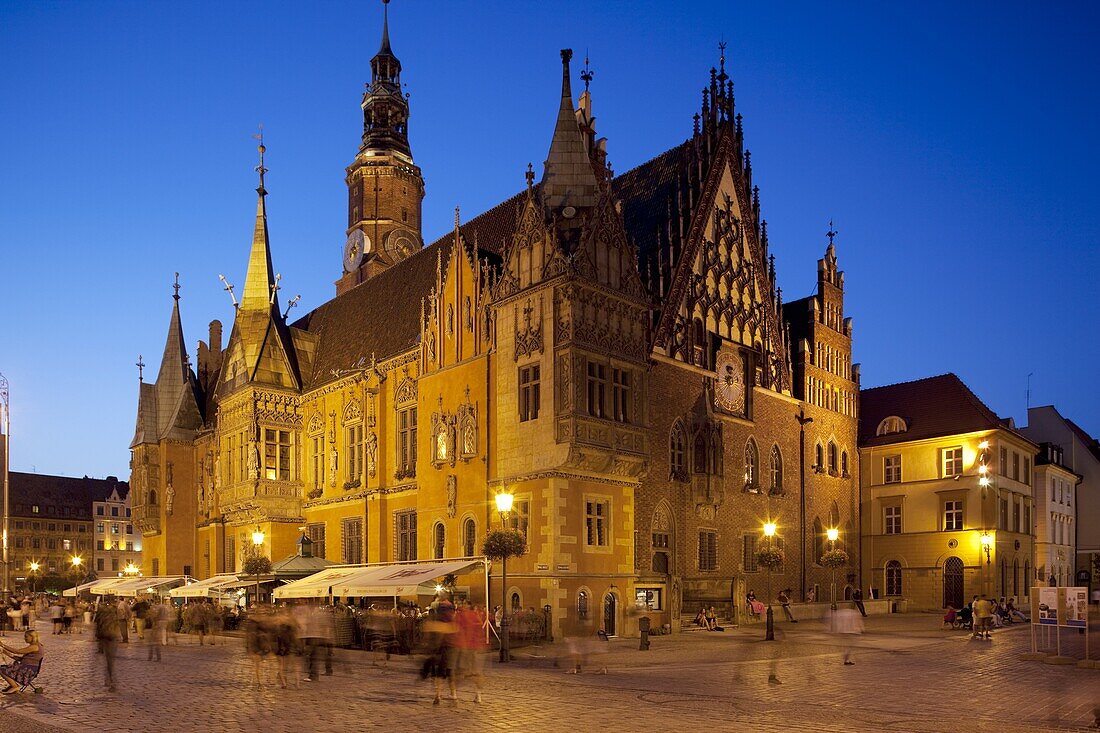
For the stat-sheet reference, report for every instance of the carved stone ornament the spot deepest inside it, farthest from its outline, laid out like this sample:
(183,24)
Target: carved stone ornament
(372,454)
(528,336)
(253,459)
(467,429)
(452,495)
(353,412)
(169,498)
(729,382)
(443,437)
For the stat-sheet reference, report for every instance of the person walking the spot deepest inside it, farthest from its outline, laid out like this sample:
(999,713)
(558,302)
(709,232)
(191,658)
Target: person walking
(123,610)
(469,643)
(847,626)
(158,616)
(57,613)
(857,599)
(784,599)
(108,632)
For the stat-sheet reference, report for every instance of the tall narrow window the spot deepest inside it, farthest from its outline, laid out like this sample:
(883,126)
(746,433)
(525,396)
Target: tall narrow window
(1004,513)
(844,463)
(316,534)
(353,540)
(317,445)
(676,451)
(596,389)
(952,462)
(405,534)
(621,395)
(891,470)
(517,518)
(232,453)
(777,471)
(952,515)
(1004,461)
(469,538)
(699,454)
(597,514)
(355,451)
(893,578)
(892,520)
(832,458)
(752,467)
(406,440)
(277,455)
(439,540)
(529,393)
(748,553)
(699,343)
(708,549)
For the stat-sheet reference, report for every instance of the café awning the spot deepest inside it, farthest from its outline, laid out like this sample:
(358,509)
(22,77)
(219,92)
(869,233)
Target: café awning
(130,587)
(391,579)
(78,589)
(106,585)
(210,588)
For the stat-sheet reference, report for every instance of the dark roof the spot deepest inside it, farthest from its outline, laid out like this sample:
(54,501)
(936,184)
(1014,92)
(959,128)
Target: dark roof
(379,317)
(1090,442)
(931,407)
(60,497)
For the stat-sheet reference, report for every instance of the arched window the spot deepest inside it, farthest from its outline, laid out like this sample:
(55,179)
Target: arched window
(1027,578)
(777,471)
(891,425)
(716,452)
(153,496)
(819,457)
(469,537)
(699,343)
(834,515)
(516,605)
(819,540)
(752,467)
(832,458)
(582,605)
(699,454)
(844,463)
(676,451)
(1016,577)
(439,535)
(893,578)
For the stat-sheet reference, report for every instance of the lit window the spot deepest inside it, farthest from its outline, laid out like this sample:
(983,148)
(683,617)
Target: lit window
(891,425)
(952,462)
(277,455)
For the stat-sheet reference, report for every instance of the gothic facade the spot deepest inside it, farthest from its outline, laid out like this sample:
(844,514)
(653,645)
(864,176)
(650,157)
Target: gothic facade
(612,349)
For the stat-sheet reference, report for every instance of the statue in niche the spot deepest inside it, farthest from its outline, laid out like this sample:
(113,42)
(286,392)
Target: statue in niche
(469,439)
(452,495)
(333,465)
(372,453)
(169,498)
(253,459)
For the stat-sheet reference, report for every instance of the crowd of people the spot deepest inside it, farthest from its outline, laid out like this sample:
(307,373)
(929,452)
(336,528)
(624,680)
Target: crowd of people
(983,614)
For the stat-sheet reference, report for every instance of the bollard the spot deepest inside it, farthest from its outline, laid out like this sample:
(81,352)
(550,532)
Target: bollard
(643,627)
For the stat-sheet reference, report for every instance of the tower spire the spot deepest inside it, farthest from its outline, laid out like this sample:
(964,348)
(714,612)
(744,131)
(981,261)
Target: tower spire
(260,279)
(568,180)
(385,47)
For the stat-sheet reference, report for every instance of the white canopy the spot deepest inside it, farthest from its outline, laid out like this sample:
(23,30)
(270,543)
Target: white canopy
(392,579)
(210,588)
(102,587)
(130,587)
(78,589)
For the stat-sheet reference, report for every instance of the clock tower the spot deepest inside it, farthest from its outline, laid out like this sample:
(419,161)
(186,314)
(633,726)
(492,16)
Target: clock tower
(385,186)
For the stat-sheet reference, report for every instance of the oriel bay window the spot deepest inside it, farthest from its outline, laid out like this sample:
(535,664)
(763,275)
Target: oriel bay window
(621,395)
(277,455)
(596,389)
(529,393)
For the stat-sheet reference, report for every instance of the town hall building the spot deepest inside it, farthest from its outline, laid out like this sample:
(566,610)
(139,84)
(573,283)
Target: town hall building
(612,349)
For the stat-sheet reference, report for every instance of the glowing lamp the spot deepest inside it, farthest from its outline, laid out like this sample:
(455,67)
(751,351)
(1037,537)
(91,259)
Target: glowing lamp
(984,445)
(34,567)
(258,537)
(987,539)
(983,481)
(832,533)
(77,560)
(504,502)
(983,469)
(769,529)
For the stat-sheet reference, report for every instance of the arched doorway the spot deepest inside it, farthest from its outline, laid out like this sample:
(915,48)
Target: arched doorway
(610,607)
(953,583)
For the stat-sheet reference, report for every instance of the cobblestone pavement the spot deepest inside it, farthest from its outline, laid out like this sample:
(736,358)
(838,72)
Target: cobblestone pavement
(908,676)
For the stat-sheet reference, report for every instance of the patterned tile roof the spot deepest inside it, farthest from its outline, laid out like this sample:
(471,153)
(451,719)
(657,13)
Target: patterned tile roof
(60,497)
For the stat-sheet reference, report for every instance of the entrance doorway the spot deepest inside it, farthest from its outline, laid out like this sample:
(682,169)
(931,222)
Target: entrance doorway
(610,606)
(953,583)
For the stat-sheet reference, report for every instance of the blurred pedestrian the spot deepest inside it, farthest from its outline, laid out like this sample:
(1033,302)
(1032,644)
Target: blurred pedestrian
(847,625)
(108,633)
(470,645)
(158,616)
(285,636)
(57,613)
(258,643)
(784,599)
(439,636)
(983,617)
(123,609)
(857,599)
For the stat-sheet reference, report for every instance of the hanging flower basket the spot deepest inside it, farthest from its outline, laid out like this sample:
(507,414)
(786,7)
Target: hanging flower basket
(501,544)
(834,559)
(257,565)
(769,558)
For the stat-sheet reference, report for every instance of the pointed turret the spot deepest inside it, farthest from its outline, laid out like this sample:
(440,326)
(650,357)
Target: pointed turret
(568,180)
(259,283)
(385,109)
(172,404)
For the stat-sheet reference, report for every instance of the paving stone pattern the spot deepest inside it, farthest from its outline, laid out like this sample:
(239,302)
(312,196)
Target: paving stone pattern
(908,676)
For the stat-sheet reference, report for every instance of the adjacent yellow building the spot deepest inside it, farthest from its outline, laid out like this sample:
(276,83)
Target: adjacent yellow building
(946,497)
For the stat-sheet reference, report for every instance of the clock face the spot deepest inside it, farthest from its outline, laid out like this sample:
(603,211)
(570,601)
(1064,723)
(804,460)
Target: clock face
(357,247)
(400,244)
(729,383)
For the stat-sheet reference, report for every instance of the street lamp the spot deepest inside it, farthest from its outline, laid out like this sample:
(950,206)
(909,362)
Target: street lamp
(504,502)
(130,569)
(769,627)
(257,541)
(832,533)
(34,574)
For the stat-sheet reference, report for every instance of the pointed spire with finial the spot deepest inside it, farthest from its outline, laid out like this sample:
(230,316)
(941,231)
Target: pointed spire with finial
(385,47)
(568,180)
(260,280)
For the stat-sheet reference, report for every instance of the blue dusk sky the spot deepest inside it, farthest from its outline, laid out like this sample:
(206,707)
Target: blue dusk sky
(953,144)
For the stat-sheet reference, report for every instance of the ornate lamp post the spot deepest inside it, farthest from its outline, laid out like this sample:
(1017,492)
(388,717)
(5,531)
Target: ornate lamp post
(832,533)
(504,502)
(77,562)
(769,627)
(987,542)
(33,574)
(257,542)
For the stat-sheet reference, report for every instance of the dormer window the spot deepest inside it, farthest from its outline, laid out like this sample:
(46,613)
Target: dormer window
(891,425)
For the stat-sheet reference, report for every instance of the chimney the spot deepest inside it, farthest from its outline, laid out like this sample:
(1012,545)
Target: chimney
(215,340)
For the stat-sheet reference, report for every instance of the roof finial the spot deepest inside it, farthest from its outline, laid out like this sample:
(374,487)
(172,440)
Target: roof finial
(260,168)
(530,176)
(385,27)
(587,73)
(831,233)
(176,287)
(722,60)
(458,218)
(141,369)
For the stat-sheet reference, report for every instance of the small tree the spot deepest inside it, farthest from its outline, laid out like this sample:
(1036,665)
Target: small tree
(257,565)
(501,544)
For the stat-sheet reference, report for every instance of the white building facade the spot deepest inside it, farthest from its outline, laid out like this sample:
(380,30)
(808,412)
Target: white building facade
(117,545)
(1055,517)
